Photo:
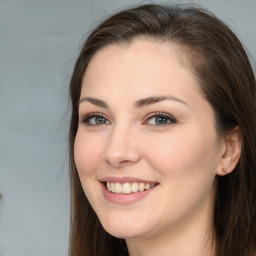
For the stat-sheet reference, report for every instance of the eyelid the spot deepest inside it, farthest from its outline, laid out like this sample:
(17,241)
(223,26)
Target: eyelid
(149,116)
(162,114)
(86,117)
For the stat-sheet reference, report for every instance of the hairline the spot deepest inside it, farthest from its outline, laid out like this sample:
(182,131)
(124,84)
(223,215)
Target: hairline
(183,53)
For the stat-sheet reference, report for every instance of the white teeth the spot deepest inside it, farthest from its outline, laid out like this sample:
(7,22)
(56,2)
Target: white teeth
(112,187)
(141,187)
(135,187)
(128,188)
(147,186)
(118,188)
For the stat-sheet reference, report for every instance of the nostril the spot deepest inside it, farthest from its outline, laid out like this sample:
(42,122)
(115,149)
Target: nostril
(117,163)
(125,162)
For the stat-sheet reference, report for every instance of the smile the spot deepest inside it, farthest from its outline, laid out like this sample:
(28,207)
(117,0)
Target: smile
(128,188)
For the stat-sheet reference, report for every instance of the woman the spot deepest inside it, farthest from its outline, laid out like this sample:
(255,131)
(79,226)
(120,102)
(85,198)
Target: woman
(162,137)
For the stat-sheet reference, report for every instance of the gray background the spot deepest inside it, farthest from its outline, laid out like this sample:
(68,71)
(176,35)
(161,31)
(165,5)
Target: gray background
(39,41)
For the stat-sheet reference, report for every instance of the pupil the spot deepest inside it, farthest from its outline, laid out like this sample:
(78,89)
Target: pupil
(100,120)
(161,120)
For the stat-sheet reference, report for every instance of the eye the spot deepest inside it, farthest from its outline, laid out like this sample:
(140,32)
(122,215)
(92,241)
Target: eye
(94,119)
(160,119)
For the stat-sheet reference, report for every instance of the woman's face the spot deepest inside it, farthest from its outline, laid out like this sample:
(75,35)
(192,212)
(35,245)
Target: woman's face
(147,133)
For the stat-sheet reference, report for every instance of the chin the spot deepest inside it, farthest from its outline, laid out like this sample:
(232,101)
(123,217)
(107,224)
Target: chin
(124,234)
(125,229)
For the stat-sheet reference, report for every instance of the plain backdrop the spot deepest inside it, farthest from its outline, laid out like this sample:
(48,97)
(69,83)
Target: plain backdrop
(39,42)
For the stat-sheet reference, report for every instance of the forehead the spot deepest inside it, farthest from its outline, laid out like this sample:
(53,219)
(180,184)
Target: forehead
(144,66)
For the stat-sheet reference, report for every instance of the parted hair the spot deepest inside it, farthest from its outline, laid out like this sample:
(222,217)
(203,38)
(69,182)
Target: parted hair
(220,64)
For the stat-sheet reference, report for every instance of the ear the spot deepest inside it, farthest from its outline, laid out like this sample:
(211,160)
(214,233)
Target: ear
(231,151)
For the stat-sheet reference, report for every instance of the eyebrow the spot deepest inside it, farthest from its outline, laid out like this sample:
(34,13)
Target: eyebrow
(153,100)
(97,102)
(139,103)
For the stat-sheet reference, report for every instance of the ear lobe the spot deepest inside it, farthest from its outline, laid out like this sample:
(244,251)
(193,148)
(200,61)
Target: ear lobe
(233,147)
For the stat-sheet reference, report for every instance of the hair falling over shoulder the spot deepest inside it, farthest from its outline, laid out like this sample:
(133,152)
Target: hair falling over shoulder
(220,63)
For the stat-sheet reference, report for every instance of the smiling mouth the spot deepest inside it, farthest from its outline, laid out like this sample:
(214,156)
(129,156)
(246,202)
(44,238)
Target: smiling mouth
(128,188)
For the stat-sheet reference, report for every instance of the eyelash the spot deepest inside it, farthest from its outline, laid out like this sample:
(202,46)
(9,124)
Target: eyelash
(169,119)
(88,117)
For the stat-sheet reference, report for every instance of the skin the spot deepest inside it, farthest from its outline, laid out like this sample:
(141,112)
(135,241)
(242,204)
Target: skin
(184,156)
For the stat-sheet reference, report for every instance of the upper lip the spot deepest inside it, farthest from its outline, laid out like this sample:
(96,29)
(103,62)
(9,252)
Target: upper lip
(125,179)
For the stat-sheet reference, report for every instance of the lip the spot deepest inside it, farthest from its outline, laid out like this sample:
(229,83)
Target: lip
(125,199)
(123,180)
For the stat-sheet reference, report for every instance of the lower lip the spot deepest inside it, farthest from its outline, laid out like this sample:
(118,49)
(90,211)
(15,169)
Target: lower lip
(125,198)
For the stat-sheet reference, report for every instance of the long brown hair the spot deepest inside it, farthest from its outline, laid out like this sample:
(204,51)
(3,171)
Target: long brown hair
(222,68)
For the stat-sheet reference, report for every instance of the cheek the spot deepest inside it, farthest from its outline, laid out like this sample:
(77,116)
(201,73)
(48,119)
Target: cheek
(183,152)
(187,164)
(87,152)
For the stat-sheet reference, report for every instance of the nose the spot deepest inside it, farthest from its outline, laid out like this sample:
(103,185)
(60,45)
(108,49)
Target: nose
(121,149)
